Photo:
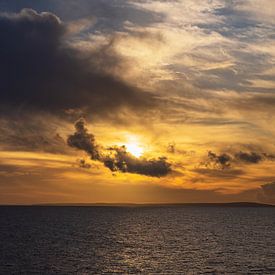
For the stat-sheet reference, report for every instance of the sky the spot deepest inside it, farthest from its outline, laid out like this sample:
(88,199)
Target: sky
(139,101)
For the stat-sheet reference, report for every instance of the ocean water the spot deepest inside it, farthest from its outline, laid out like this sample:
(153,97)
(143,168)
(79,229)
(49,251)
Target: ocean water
(137,240)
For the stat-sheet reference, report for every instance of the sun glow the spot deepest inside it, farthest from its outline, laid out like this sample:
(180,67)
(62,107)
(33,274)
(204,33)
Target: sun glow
(134,149)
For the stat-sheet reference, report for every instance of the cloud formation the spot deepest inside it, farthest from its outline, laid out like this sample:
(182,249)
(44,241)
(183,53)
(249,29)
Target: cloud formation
(117,158)
(123,161)
(227,160)
(29,132)
(41,70)
(83,164)
(216,161)
(251,157)
(83,140)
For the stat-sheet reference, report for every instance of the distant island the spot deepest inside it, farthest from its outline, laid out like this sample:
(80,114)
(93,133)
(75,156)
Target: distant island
(103,204)
(230,204)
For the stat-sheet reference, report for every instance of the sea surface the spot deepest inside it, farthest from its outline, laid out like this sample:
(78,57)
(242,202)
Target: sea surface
(137,240)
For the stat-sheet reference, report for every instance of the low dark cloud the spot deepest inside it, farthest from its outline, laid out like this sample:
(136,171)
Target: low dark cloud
(123,161)
(83,140)
(222,161)
(251,157)
(41,70)
(227,160)
(117,159)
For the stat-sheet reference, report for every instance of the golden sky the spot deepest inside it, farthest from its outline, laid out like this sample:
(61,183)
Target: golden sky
(137,101)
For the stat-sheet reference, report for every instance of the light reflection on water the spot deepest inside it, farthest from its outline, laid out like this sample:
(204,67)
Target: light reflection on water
(148,240)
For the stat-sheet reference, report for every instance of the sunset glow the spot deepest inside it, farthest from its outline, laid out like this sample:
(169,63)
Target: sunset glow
(174,99)
(135,149)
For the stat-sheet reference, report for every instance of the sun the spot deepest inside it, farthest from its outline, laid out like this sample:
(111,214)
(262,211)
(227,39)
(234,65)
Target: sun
(134,149)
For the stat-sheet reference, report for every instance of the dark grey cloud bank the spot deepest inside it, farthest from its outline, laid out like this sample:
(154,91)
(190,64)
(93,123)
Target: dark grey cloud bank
(110,15)
(117,159)
(40,70)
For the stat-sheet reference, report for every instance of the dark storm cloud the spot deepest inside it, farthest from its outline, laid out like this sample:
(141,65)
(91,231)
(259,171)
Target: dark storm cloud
(117,159)
(40,70)
(111,15)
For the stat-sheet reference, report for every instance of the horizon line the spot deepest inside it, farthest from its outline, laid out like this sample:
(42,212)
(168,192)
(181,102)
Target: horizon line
(232,204)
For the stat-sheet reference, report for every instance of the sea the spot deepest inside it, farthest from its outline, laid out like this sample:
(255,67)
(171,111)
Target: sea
(137,240)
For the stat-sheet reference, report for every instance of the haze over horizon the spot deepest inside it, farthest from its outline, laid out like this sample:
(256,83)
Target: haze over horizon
(137,101)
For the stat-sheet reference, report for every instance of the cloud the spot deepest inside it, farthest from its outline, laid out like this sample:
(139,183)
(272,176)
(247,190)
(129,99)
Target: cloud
(267,193)
(83,164)
(41,70)
(218,173)
(123,161)
(258,10)
(210,64)
(251,157)
(216,43)
(116,158)
(83,140)
(216,161)
(29,132)
(227,160)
